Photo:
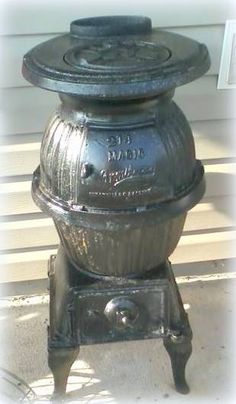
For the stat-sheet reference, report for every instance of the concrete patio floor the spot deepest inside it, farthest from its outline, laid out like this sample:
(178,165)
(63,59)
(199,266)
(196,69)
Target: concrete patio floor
(133,372)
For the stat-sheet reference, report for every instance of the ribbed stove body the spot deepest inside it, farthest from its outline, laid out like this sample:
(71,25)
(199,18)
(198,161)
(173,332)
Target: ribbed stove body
(117,174)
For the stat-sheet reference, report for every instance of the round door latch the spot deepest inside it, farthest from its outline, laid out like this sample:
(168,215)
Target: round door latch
(121,312)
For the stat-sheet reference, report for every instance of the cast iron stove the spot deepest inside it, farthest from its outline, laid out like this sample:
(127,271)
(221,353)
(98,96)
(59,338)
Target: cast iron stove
(117,174)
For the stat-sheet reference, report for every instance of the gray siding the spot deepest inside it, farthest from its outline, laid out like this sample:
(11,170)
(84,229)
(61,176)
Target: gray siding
(27,236)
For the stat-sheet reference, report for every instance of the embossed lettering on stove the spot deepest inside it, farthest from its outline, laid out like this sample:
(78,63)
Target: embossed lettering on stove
(129,154)
(116,177)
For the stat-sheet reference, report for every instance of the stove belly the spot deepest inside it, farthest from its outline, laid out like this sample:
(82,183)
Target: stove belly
(123,252)
(109,183)
(117,163)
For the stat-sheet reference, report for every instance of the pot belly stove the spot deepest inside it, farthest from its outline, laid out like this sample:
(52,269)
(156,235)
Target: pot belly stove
(117,174)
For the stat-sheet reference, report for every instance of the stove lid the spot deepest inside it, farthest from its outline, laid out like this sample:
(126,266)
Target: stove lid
(115,57)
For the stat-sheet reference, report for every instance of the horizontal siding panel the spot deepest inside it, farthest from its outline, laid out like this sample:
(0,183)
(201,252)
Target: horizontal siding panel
(27,109)
(211,36)
(220,179)
(26,266)
(28,238)
(14,47)
(220,128)
(27,16)
(19,155)
(15,197)
(200,100)
(40,232)
(205,247)
(32,265)
(214,214)
(28,234)
(19,159)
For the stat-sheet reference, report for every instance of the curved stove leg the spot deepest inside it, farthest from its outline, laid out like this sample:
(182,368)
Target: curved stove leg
(179,349)
(60,361)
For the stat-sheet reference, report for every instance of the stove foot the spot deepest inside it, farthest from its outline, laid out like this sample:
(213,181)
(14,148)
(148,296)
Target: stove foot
(60,361)
(179,349)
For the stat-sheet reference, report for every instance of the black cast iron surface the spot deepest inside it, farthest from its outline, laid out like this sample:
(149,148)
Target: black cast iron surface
(115,57)
(85,310)
(117,174)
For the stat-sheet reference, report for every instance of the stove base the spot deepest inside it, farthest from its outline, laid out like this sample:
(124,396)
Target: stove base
(88,310)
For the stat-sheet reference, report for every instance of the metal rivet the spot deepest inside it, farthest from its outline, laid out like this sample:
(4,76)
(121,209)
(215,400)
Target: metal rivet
(86,170)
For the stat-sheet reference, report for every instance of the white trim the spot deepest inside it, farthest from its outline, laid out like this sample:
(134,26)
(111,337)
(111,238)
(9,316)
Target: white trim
(230,31)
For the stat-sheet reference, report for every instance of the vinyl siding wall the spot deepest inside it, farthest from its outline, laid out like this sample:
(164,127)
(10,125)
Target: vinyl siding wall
(27,235)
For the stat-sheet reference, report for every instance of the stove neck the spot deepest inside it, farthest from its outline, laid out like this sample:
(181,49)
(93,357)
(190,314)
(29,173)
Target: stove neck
(105,107)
